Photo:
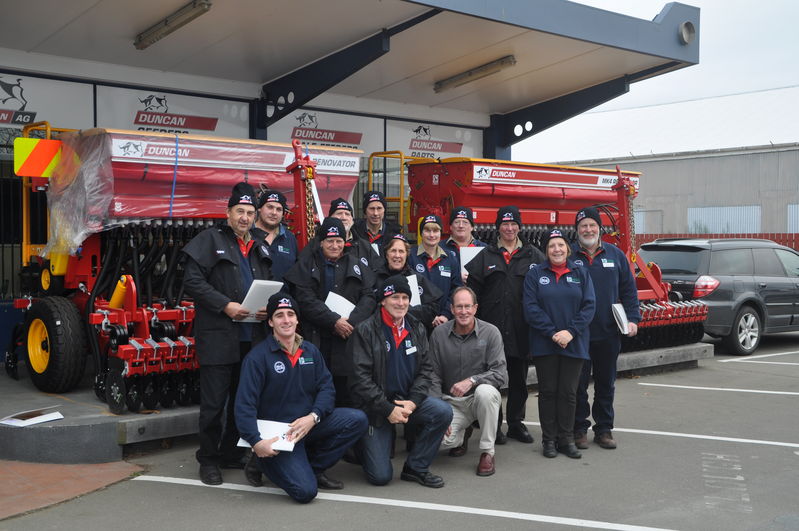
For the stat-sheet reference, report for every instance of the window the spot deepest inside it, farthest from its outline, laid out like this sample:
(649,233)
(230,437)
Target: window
(790,260)
(675,260)
(732,262)
(767,264)
(724,220)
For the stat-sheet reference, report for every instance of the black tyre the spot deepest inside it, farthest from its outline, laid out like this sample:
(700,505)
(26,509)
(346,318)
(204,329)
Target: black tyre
(133,394)
(149,391)
(55,343)
(115,392)
(746,331)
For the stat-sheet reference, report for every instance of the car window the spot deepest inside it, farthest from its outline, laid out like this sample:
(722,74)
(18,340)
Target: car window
(731,262)
(674,260)
(767,264)
(790,261)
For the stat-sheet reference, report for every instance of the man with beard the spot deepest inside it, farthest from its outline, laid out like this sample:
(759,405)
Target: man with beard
(613,282)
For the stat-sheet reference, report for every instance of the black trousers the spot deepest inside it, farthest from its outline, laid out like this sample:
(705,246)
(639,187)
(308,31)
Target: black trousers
(517,389)
(558,377)
(218,433)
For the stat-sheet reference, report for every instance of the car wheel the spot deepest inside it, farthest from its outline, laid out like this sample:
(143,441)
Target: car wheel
(745,335)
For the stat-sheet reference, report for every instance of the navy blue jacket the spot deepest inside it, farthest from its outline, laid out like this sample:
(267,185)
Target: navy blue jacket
(271,389)
(445,275)
(613,282)
(284,252)
(551,306)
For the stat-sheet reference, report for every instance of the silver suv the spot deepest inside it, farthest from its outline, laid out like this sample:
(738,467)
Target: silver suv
(751,286)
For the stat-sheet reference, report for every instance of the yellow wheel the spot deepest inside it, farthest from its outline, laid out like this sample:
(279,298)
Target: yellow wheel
(55,341)
(38,346)
(45,279)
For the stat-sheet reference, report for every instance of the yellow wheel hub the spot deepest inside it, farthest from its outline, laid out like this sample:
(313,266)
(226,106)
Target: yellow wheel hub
(45,279)
(38,346)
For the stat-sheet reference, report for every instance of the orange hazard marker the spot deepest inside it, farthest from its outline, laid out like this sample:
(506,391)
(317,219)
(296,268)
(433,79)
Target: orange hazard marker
(35,157)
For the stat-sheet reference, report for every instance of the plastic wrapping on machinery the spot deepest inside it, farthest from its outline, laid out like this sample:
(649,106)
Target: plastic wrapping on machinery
(111,177)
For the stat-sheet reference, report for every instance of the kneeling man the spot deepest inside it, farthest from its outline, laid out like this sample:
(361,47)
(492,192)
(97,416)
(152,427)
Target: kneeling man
(284,379)
(390,382)
(468,370)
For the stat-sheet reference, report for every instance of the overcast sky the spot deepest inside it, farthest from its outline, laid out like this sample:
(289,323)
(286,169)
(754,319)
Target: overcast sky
(745,46)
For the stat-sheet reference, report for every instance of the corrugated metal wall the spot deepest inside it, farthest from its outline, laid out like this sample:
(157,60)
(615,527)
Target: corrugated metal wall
(724,220)
(767,177)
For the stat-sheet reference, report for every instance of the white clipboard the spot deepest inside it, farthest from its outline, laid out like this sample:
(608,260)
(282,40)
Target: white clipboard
(413,282)
(467,255)
(269,429)
(340,305)
(258,296)
(621,318)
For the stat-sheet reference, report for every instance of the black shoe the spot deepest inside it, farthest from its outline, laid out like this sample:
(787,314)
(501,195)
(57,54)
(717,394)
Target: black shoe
(426,479)
(324,482)
(460,451)
(569,450)
(518,431)
(351,457)
(252,472)
(210,475)
(501,437)
(549,449)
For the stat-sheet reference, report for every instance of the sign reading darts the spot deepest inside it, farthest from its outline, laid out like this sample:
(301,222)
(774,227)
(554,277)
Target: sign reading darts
(156,117)
(424,145)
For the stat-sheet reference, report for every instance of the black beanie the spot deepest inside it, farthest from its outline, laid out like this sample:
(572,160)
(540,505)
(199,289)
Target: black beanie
(394,284)
(508,213)
(462,212)
(332,228)
(428,219)
(272,196)
(243,194)
(554,233)
(340,204)
(373,195)
(280,301)
(588,212)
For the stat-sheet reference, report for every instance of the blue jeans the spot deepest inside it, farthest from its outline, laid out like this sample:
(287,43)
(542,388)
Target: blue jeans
(429,422)
(604,354)
(295,472)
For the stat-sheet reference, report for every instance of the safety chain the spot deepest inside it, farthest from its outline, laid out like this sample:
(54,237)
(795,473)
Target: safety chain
(309,203)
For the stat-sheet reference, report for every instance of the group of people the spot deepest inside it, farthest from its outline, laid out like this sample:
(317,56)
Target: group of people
(425,342)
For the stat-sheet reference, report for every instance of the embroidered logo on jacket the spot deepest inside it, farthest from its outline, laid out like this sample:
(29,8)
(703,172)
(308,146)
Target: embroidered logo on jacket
(543,281)
(280,367)
(356,269)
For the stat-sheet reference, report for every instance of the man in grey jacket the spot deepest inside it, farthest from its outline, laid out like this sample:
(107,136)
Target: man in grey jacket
(468,369)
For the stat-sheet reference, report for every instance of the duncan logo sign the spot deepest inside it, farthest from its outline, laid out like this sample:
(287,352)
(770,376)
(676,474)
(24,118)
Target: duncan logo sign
(307,128)
(13,103)
(423,145)
(156,117)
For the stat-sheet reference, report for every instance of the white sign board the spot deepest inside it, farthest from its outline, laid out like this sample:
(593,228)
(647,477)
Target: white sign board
(329,129)
(419,139)
(163,112)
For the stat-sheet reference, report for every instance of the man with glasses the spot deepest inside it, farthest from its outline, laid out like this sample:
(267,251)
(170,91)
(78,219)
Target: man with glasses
(468,369)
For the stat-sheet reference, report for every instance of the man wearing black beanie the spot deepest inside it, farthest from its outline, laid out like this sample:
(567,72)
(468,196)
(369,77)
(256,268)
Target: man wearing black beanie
(390,383)
(613,282)
(221,264)
(373,227)
(497,276)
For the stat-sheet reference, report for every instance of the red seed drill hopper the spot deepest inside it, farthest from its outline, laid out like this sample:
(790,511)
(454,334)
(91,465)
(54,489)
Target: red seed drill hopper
(548,197)
(121,205)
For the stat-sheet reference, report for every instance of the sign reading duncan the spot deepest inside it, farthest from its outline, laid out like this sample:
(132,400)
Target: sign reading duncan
(434,141)
(170,113)
(329,129)
(544,177)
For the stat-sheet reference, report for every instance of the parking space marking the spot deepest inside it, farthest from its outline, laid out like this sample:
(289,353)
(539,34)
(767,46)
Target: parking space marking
(412,505)
(721,389)
(696,436)
(749,358)
(769,362)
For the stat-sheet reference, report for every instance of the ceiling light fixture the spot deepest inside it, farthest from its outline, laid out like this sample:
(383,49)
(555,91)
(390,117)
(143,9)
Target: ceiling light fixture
(474,74)
(173,22)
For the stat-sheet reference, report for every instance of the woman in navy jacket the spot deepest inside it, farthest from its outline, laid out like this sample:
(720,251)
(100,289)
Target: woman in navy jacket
(559,304)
